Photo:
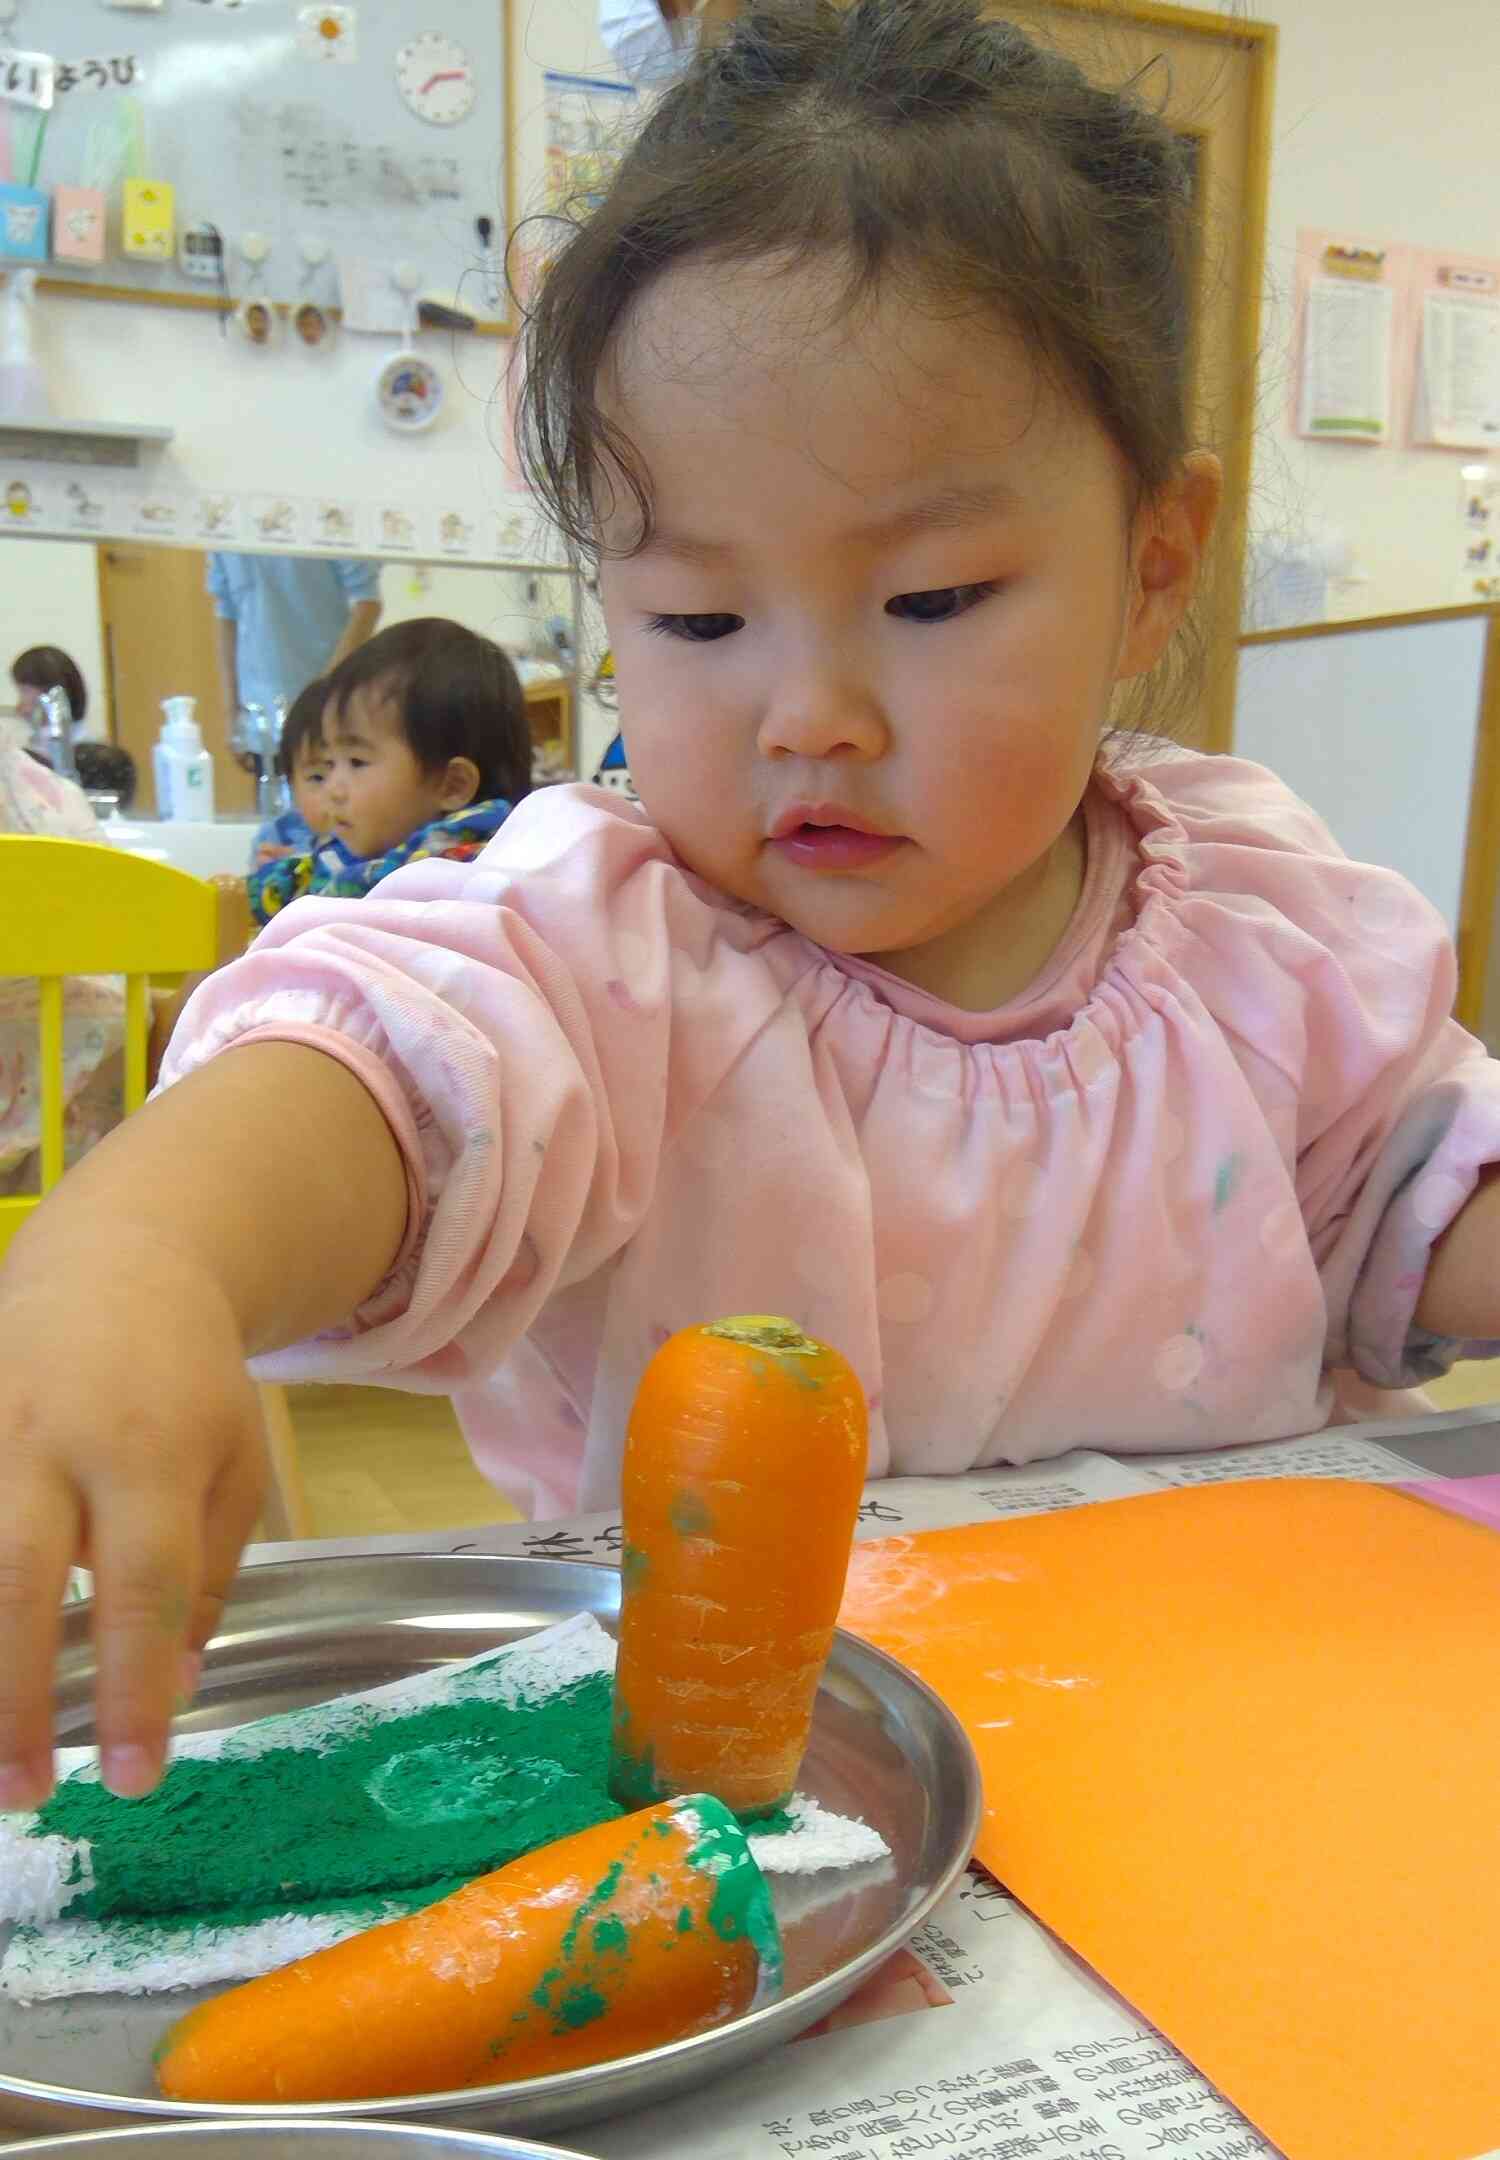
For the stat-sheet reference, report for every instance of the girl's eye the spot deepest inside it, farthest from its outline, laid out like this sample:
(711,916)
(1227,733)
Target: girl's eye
(695,629)
(940,605)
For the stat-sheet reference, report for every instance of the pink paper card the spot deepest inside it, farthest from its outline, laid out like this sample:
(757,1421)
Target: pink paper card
(78,225)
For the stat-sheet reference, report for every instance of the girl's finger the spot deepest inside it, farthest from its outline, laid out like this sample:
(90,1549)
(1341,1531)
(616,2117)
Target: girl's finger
(233,1505)
(148,1568)
(38,1539)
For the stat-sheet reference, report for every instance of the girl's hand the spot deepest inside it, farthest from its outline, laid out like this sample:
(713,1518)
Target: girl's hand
(130,1434)
(130,1443)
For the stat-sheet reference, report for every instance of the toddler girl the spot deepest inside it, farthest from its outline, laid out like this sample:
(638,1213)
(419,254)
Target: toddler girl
(423,748)
(1075,1086)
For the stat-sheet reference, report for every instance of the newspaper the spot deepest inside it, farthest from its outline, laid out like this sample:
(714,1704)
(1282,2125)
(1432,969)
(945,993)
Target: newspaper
(897,1506)
(985,2036)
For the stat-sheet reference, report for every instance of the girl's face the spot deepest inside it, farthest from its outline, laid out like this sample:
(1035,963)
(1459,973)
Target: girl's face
(377,792)
(310,782)
(867,656)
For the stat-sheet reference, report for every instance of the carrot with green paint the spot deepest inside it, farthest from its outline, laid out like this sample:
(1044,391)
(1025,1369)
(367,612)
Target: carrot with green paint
(745,1457)
(641,1931)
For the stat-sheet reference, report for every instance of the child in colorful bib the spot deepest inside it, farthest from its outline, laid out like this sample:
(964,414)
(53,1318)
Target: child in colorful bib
(416,745)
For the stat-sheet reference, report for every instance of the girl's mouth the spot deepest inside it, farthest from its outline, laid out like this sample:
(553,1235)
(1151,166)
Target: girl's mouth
(835,847)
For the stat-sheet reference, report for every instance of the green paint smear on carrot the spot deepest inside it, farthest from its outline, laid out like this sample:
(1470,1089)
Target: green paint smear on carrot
(689,1517)
(580,2006)
(741,1908)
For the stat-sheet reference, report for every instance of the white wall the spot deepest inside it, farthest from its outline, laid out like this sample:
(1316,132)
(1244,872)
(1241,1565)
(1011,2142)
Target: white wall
(303,422)
(1384,124)
(296,422)
(49,595)
(507,605)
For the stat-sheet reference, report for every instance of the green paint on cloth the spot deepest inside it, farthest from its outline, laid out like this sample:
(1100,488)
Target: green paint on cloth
(434,1797)
(402,1814)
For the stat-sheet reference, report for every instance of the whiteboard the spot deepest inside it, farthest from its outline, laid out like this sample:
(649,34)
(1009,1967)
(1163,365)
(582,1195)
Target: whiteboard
(1377,730)
(260,131)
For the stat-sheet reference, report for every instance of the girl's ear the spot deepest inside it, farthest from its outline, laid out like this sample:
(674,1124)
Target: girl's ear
(1168,545)
(459,784)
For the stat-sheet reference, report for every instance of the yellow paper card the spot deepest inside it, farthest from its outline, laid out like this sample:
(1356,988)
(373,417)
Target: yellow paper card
(148,220)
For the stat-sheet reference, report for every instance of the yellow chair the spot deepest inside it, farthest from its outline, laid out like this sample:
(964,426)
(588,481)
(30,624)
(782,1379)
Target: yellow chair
(73,907)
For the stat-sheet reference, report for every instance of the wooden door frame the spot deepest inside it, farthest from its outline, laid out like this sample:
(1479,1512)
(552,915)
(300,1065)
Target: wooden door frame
(1258,41)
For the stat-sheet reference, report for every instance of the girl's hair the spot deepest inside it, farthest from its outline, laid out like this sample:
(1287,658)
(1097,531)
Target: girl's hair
(47,667)
(909,142)
(303,724)
(457,694)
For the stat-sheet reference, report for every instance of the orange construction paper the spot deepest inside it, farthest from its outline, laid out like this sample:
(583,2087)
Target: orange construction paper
(1241,1750)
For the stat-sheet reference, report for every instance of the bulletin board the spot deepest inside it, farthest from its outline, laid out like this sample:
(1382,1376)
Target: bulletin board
(376,133)
(1400,344)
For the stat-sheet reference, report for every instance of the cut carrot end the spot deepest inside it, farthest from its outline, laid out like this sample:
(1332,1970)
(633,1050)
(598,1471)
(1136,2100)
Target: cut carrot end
(764,1331)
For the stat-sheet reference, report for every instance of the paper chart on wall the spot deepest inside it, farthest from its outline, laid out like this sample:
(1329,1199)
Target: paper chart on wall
(1347,333)
(1458,380)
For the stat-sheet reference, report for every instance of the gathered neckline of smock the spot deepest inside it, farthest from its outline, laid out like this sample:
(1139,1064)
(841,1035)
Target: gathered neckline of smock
(1155,880)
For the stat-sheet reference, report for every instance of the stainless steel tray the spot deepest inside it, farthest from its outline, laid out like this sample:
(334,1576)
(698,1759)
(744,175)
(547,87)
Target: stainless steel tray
(883,1747)
(270,2141)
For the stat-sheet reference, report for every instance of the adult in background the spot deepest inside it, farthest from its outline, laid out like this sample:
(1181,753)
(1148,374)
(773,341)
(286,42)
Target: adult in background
(284,619)
(39,669)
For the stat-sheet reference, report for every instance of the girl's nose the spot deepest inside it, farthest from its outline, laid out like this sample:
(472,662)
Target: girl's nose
(824,709)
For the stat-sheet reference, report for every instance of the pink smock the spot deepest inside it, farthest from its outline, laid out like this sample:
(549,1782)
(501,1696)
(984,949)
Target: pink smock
(1161,1201)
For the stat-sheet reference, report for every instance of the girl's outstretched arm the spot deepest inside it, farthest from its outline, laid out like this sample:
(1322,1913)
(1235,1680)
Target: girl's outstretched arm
(257,1202)
(1461,1295)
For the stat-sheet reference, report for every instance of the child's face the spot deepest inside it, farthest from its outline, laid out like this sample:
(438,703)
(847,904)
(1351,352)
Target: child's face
(310,782)
(377,793)
(865,662)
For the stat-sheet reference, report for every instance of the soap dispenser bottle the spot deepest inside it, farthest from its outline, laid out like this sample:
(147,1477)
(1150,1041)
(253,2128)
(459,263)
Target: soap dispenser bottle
(183,769)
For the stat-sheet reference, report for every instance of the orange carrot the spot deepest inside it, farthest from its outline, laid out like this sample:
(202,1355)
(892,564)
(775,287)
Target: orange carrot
(643,1930)
(744,1460)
